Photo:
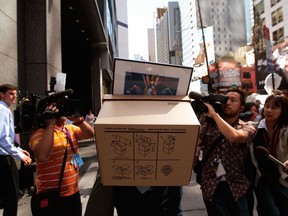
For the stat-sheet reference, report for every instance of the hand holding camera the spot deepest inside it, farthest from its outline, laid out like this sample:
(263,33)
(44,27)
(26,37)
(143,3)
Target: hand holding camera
(50,112)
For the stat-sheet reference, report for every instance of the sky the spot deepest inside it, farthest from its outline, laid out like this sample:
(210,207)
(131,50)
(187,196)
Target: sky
(140,18)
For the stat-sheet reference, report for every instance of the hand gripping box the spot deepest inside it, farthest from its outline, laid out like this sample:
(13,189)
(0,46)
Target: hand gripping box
(146,140)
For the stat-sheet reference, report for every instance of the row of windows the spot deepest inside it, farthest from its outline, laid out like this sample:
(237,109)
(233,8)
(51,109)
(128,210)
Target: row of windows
(274,2)
(277,16)
(259,8)
(278,34)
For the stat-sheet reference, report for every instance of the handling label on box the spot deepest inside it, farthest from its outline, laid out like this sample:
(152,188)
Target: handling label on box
(149,154)
(146,143)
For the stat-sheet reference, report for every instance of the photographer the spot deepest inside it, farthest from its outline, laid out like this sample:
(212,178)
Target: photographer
(50,145)
(223,182)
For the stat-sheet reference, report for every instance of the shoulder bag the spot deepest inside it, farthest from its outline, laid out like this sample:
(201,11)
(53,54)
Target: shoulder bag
(198,166)
(48,202)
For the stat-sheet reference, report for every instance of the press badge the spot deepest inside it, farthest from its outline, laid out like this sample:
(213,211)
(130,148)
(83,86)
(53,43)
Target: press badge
(77,160)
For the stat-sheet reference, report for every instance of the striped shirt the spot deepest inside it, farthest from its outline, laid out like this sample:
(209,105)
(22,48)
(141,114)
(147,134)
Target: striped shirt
(48,172)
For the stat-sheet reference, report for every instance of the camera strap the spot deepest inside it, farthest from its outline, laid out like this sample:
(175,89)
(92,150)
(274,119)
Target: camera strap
(211,149)
(62,170)
(69,140)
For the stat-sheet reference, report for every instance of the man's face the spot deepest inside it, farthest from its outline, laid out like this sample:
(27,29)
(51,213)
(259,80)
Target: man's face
(9,97)
(233,106)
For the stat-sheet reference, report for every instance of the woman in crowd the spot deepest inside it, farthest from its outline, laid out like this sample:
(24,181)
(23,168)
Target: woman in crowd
(250,112)
(272,138)
(90,118)
(51,145)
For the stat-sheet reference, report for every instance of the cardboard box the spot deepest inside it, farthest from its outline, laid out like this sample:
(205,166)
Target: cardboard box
(146,140)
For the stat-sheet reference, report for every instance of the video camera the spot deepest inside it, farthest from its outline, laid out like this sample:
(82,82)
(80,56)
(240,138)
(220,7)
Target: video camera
(31,112)
(245,115)
(216,100)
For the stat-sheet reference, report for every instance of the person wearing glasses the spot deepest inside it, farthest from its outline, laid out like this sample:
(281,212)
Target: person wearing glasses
(223,181)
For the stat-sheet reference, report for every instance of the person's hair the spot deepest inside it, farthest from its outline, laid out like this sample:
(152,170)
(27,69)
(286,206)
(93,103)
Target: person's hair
(249,105)
(279,100)
(240,92)
(6,87)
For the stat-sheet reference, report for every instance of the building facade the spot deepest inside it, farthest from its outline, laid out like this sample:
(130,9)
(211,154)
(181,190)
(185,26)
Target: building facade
(168,34)
(78,38)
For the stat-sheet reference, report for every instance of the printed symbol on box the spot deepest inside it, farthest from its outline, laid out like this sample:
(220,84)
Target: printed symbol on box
(166,169)
(122,170)
(120,144)
(169,144)
(145,144)
(144,170)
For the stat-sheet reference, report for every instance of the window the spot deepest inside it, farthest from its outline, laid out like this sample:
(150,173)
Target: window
(246,75)
(277,16)
(278,34)
(259,8)
(274,2)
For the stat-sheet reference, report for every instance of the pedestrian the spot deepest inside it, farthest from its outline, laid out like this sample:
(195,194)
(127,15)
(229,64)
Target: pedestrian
(101,199)
(272,134)
(9,181)
(250,112)
(260,110)
(90,118)
(148,201)
(132,200)
(50,145)
(224,183)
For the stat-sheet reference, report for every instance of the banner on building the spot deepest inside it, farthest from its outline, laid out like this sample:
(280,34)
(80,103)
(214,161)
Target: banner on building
(274,59)
(227,75)
(200,66)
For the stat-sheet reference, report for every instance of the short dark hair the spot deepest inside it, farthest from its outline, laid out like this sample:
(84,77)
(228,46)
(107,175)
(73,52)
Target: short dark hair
(240,92)
(6,87)
(249,105)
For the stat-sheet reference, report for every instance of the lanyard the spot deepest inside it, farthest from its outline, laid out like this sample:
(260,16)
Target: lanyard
(69,139)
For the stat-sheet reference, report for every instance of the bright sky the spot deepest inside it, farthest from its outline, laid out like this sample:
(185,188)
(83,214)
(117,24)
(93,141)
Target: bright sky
(141,15)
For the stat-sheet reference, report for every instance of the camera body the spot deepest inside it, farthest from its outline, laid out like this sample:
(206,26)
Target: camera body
(30,112)
(216,100)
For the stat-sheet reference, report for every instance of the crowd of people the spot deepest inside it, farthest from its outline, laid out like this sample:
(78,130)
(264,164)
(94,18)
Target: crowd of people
(241,145)
(237,168)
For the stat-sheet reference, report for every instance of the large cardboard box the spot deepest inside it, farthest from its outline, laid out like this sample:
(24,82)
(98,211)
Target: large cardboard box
(146,140)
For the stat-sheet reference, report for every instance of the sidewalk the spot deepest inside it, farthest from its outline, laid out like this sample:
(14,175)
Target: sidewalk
(192,203)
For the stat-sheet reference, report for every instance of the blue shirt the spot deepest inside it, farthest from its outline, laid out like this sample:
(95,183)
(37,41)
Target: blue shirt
(7,133)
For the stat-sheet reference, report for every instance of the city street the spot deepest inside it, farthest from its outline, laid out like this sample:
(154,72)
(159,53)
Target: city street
(192,203)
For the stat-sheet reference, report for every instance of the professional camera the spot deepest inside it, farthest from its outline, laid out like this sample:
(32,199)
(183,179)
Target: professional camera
(31,111)
(245,115)
(216,100)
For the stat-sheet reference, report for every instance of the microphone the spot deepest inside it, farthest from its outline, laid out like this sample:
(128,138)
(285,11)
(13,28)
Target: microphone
(262,152)
(195,95)
(246,114)
(54,97)
(216,98)
(212,98)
